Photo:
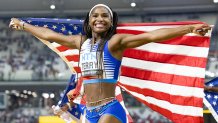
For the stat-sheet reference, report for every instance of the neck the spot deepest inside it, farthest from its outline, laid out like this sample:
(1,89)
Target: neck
(97,37)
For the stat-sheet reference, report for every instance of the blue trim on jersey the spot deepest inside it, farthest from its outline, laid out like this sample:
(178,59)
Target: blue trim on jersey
(99,80)
(111,63)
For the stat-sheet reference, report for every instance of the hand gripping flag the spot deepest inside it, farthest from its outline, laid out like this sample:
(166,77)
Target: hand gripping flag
(168,76)
(77,110)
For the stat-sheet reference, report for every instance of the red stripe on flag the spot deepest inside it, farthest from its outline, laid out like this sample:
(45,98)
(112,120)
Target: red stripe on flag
(197,41)
(176,118)
(62,48)
(166,58)
(119,97)
(129,31)
(74,58)
(162,77)
(160,23)
(172,99)
(77,69)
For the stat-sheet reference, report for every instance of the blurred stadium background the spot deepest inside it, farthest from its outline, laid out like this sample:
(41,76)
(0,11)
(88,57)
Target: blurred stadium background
(32,77)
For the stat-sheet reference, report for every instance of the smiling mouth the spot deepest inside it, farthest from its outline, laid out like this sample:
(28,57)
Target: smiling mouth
(99,25)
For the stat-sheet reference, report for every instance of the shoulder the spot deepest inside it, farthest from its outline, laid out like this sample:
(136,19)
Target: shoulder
(117,38)
(114,43)
(77,39)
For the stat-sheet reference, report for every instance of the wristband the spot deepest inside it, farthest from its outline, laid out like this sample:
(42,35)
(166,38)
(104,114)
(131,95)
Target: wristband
(22,25)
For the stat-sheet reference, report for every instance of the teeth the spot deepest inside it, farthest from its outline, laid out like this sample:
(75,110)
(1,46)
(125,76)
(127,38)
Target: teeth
(99,25)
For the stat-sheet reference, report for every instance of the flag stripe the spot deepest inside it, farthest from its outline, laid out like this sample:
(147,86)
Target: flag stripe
(70,52)
(170,97)
(159,23)
(74,58)
(161,77)
(164,67)
(191,40)
(161,87)
(175,117)
(178,109)
(166,58)
(175,49)
(62,48)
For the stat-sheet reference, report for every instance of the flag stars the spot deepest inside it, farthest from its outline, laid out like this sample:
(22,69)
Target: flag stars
(214,103)
(70,33)
(29,21)
(75,27)
(76,113)
(54,27)
(46,26)
(208,96)
(211,84)
(216,97)
(63,29)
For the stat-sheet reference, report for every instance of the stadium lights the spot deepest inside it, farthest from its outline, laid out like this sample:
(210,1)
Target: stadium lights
(52,95)
(215,1)
(133,4)
(45,95)
(52,6)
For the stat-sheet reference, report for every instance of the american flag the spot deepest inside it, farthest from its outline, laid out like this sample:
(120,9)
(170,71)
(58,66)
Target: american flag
(78,109)
(168,77)
(211,98)
(70,56)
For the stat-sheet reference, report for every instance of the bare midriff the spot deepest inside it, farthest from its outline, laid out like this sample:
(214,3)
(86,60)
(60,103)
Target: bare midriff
(99,93)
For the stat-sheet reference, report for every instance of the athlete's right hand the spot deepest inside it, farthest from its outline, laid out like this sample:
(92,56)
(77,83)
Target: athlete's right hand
(72,94)
(16,24)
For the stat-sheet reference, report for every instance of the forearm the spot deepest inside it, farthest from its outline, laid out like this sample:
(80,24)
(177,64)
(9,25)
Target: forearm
(155,36)
(211,88)
(50,35)
(40,32)
(168,33)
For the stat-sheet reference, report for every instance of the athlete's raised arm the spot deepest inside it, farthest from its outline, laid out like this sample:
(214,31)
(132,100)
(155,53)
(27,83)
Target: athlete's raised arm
(71,41)
(131,41)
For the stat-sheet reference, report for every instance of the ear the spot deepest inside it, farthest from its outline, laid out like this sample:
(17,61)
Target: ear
(112,22)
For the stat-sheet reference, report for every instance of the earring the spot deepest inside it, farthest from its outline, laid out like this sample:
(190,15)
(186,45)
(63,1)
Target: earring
(89,28)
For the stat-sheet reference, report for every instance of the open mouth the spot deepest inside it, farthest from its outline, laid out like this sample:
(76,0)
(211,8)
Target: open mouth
(99,25)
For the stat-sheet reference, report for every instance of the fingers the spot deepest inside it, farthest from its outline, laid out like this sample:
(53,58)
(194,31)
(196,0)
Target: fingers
(201,29)
(11,23)
(14,24)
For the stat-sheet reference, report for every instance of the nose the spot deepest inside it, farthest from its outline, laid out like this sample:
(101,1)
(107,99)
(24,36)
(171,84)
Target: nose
(100,18)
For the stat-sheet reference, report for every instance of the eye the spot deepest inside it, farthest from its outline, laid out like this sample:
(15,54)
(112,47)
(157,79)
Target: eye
(105,15)
(94,15)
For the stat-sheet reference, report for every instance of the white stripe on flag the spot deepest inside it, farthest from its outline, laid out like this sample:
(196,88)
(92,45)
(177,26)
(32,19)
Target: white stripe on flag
(164,67)
(162,87)
(175,49)
(54,44)
(145,28)
(178,109)
(70,52)
(75,64)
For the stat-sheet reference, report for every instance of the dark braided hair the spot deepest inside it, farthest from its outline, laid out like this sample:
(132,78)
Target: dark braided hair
(108,35)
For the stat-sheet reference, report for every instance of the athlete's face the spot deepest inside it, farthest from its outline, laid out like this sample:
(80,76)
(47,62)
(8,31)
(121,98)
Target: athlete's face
(100,20)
